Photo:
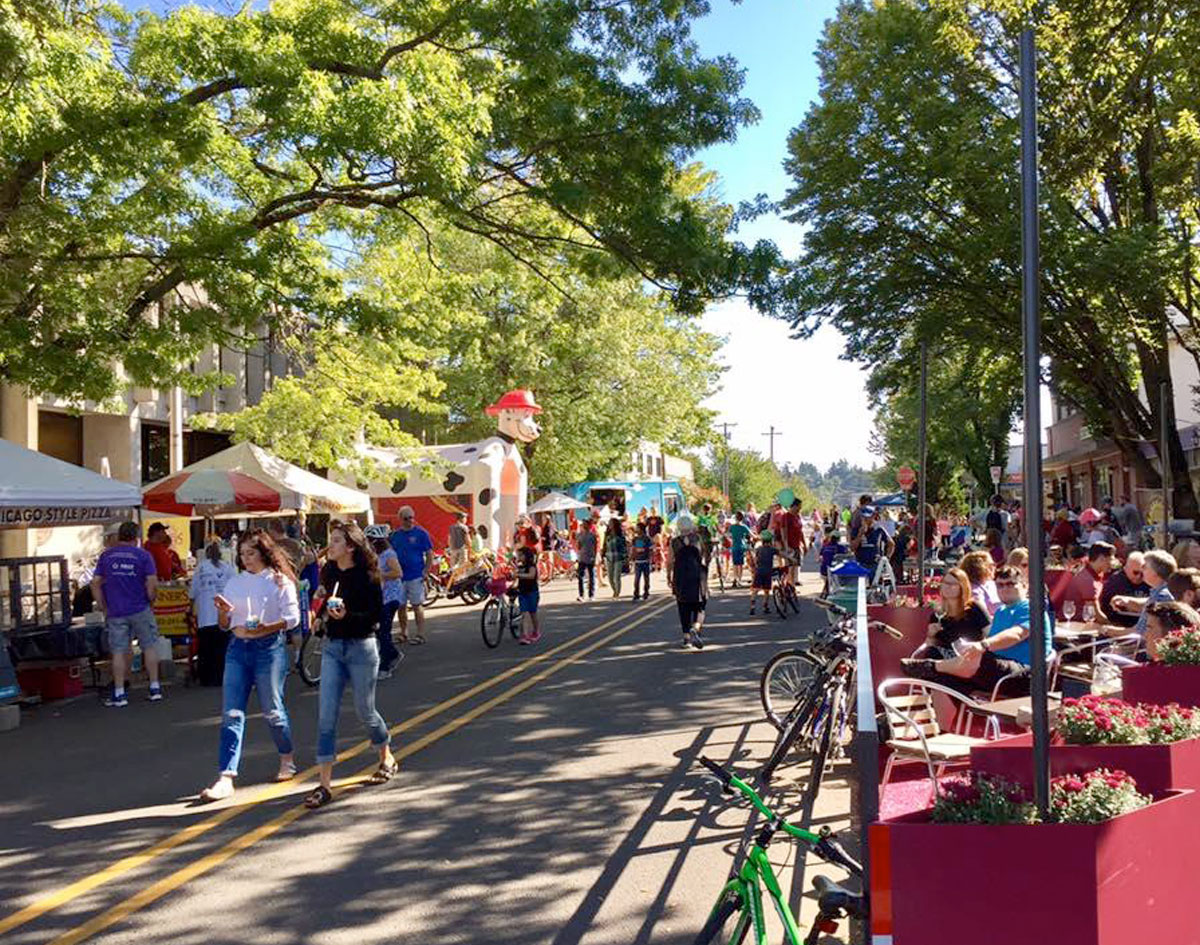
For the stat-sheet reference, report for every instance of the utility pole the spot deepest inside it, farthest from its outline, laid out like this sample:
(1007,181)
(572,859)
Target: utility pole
(774,433)
(725,427)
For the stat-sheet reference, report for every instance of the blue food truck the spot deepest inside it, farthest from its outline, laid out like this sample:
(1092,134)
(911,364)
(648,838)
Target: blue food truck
(631,496)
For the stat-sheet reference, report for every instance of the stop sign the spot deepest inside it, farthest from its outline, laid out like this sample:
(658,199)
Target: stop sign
(907,477)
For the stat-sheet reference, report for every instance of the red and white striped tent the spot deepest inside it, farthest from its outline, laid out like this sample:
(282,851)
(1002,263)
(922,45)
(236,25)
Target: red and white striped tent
(246,479)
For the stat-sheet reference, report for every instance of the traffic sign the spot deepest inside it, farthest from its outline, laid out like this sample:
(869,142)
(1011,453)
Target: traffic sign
(996,471)
(907,477)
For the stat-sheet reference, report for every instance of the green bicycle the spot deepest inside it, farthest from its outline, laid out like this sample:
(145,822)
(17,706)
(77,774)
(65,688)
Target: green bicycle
(742,898)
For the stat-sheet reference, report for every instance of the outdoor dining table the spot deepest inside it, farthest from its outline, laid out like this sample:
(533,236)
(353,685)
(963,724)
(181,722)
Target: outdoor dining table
(1019,709)
(1070,632)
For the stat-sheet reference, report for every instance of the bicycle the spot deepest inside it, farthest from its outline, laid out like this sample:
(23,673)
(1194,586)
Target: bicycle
(502,611)
(822,680)
(783,593)
(554,564)
(742,896)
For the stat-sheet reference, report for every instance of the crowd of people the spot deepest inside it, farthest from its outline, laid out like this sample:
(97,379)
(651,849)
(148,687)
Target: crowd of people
(362,581)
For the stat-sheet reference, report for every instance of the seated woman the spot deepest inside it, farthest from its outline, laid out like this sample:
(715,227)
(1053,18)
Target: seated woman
(980,569)
(961,618)
(1166,617)
(1005,651)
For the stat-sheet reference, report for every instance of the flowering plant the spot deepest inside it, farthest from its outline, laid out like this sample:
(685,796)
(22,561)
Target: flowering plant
(1094,797)
(981,799)
(1098,720)
(1181,647)
(1074,799)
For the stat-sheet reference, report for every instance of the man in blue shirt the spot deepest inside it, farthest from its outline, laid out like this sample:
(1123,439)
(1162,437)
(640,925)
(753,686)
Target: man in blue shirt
(1004,652)
(414,548)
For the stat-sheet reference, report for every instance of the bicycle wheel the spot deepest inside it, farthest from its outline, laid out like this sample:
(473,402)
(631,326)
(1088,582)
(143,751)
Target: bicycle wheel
(433,590)
(309,663)
(780,599)
(831,723)
(491,623)
(793,599)
(714,929)
(784,681)
(796,727)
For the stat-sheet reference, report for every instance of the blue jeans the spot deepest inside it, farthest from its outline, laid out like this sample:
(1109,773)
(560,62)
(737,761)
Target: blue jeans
(383,634)
(261,663)
(356,662)
(641,576)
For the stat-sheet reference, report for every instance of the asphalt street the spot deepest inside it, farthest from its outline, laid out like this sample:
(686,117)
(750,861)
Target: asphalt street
(547,794)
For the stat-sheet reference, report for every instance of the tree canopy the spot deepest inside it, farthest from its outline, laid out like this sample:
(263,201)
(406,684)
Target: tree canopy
(906,176)
(248,158)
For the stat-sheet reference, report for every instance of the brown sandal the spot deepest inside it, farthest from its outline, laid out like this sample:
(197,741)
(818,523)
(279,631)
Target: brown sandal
(319,797)
(384,773)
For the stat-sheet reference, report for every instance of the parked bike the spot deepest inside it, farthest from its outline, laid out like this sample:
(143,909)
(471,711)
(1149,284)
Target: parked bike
(739,907)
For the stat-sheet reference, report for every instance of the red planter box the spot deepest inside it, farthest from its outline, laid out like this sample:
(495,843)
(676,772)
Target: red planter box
(1132,879)
(1159,684)
(1156,768)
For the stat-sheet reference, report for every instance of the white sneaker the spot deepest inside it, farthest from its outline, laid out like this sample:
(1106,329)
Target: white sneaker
(218,791)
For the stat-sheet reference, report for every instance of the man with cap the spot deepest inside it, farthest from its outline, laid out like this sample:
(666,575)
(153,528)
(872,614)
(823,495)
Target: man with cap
(872,541)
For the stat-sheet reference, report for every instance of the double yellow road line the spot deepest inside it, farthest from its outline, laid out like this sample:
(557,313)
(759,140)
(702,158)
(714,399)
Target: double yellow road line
(162,887)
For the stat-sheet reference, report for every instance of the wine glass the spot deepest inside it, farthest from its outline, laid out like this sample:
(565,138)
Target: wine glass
(1089,613)
(1069,610)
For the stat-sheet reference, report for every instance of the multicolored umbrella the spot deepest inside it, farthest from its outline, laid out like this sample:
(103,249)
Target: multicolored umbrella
(247,479)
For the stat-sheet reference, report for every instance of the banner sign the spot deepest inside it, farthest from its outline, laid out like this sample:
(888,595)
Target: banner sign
(171,608)
(53,516)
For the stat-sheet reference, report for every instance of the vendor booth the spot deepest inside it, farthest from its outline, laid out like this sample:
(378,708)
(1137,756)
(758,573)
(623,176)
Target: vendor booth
(39,491)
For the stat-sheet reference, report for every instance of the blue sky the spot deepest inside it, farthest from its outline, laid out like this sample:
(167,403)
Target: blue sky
(802,387)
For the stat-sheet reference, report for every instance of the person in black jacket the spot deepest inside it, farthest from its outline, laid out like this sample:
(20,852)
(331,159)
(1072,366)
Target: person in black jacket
(351,597)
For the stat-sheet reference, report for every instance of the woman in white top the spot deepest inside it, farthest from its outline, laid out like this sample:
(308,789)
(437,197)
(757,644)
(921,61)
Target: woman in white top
(209,580)
(260,606)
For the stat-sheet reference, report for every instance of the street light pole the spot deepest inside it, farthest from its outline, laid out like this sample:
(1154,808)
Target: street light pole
(1164,460)
(922,453)
(1030,297)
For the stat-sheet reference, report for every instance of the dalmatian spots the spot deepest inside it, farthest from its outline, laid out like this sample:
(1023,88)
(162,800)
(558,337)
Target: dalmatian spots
(452,481)
(486,496)
(399,484)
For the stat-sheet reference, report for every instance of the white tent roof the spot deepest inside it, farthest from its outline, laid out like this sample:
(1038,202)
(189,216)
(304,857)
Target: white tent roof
(557,502)
(298,488)
(29,478)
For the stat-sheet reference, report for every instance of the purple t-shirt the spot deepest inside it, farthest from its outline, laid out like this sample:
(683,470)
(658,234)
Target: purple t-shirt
(125,569)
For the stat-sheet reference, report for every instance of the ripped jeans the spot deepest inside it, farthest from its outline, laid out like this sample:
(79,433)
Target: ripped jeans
(261,663)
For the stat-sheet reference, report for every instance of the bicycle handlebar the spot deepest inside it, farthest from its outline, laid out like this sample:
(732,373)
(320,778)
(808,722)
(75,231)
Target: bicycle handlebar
(730,780)
(831,606)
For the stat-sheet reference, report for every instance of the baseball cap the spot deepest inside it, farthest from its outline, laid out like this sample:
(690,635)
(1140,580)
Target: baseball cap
(868,510)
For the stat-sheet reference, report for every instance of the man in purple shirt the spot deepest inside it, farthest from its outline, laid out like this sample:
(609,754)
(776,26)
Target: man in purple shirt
(124,587)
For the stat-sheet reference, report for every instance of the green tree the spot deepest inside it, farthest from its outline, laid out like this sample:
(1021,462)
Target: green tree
(168,182)
(906,177)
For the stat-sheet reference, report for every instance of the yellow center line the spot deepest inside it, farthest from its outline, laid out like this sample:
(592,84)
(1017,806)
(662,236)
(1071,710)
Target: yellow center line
(211,861)
(60,897)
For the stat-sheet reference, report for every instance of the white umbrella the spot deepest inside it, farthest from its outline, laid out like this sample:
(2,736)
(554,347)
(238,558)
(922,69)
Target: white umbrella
(557,502)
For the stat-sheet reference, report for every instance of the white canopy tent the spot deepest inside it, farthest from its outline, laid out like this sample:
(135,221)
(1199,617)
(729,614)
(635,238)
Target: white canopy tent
(284,487)
(556,502)
(39,491)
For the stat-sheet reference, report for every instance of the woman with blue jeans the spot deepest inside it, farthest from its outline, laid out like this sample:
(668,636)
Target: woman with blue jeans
(259,606)
(351,596)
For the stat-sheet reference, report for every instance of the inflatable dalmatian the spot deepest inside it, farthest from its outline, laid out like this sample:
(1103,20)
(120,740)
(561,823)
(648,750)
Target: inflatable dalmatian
(488,479)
